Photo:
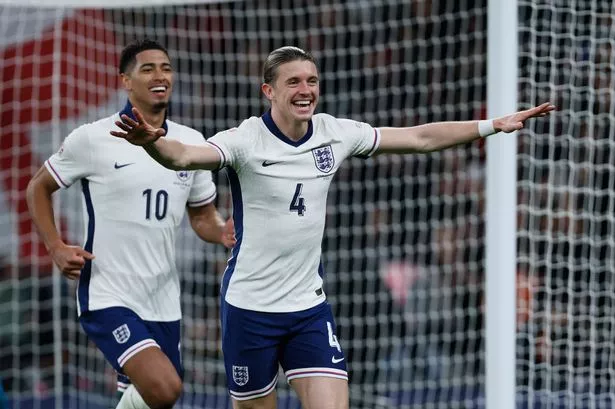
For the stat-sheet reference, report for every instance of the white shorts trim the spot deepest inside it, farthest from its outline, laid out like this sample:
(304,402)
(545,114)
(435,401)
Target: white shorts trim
(135,349)
(257,393)
(310,372)
(122,386)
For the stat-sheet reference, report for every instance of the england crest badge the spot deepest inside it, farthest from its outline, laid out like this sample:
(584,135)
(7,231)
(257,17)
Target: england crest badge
(323,158)
(240,375)
(122,334)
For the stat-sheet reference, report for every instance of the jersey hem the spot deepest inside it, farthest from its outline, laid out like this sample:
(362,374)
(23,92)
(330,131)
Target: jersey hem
(276,311)
(140,314)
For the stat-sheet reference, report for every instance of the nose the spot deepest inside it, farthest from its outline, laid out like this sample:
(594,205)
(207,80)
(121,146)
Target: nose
(304,87)
(158,73)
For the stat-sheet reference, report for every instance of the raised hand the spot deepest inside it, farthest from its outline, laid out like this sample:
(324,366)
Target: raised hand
(514,122)
(138,132)
(70,260)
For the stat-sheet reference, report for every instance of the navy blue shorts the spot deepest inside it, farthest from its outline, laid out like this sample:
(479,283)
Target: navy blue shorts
(255,343)
(120,334)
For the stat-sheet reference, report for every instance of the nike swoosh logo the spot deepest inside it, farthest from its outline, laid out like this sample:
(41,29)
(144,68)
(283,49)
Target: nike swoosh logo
(269,163)
(336,360)
(122,165)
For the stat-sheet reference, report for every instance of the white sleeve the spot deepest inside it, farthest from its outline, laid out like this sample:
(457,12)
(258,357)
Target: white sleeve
(232,147)
(203,190)
(73,160)
(363,138)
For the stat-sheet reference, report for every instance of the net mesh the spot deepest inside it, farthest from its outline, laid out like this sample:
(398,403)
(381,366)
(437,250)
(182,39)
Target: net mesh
(566,203)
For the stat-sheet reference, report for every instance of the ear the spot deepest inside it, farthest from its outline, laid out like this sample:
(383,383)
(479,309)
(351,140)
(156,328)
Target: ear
(126,82)
(267,90)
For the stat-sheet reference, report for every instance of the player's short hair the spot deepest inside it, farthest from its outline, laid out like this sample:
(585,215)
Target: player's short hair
(128,58)
(281,56)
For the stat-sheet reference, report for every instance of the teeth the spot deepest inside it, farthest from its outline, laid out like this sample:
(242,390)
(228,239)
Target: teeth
(304,103)
(156,89)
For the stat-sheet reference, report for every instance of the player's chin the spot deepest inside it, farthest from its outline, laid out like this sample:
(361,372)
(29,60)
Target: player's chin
(304,115)
(160,105)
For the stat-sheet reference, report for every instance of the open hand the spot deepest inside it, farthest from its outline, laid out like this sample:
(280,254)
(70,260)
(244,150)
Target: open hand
(138,132)
(514,122)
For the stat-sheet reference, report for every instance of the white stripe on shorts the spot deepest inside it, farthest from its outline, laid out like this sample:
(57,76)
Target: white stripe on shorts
(257,393)
(309,372)
(136,348)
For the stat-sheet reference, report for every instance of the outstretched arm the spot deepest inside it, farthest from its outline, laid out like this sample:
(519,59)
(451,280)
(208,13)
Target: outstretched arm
(169,153)
(442,135)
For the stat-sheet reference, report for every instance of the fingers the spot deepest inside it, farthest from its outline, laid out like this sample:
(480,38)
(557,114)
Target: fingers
(123,126)
(72,269)
(230,224)
(543,108)
(123,135)
(126,120)
(72,274)
(538,111)
(229,242)
(138,115)
(228,237)
(85,254)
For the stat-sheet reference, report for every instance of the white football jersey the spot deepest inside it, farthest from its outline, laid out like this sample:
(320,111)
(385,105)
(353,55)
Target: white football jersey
(132,208)
(279,192)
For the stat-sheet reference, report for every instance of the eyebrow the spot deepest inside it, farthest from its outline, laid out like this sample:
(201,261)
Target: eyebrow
(151,65)
(296,78)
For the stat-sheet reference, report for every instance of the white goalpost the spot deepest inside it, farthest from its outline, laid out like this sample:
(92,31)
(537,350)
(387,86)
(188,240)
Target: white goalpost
(501,209)
(477,277)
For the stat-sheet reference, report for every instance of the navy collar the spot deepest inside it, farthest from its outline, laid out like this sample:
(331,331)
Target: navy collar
(127,110)
(273,128)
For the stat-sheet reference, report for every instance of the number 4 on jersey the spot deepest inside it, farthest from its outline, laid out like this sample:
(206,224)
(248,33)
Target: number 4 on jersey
(298,203)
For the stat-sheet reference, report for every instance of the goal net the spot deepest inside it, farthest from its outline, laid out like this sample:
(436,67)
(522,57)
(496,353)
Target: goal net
(403,250)
(566,206)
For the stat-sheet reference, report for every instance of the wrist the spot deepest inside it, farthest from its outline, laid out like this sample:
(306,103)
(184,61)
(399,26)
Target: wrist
(54,246)
(486,127)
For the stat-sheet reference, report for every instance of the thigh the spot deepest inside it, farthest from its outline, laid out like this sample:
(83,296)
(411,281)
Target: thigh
(154,376)
(167,335)
(312,349)
(250,349)
(321,392)
(121,334)
(144,353)
(269,401)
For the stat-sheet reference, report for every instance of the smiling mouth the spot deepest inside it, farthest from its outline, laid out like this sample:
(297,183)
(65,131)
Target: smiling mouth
(159,90)
(302,104)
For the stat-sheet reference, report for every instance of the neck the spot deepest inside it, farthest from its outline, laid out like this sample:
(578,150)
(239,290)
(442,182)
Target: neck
(294,130)
(154,118)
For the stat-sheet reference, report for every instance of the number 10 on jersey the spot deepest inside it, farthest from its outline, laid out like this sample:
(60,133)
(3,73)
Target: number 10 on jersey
(160,203)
